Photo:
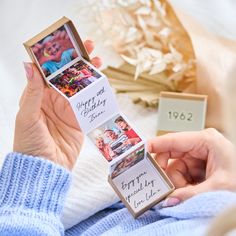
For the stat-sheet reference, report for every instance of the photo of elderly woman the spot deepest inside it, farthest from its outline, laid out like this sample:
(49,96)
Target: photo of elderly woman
(132,159)
(75,78)
(54,51)
(104,148)
(112,140)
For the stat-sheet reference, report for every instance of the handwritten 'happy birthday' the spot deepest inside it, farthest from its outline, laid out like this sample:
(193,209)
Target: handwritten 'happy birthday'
(94,106)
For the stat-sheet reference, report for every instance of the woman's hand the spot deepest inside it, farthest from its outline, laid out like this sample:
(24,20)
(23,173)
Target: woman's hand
(45,124)
(132,141)
(196,162)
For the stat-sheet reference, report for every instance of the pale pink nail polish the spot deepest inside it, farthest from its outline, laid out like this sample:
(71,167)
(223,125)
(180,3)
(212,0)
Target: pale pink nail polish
(169,202)
(28,70)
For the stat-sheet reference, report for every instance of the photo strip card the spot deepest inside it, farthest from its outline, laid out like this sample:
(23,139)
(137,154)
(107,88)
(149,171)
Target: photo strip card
(63,61)
(114,138)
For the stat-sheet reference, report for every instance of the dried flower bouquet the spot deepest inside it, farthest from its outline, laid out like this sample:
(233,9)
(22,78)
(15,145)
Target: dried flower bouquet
(156,49)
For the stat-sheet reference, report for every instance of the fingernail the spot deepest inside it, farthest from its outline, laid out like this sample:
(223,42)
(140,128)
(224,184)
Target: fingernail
(89,41)
(169,202)
(28,70)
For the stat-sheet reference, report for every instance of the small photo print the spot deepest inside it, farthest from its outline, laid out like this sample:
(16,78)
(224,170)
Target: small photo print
(75,78)
(54,51)
(114,137)
(132,159)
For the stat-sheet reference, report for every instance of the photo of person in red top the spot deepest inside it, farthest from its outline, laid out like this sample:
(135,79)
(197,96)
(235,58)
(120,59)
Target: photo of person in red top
(133,137)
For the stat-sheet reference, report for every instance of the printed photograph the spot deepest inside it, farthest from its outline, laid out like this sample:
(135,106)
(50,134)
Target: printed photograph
(127,162)
(75,78)
(54,51)
(114,137)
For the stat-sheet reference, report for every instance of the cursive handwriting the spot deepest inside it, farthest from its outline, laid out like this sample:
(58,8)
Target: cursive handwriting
(138,203)
(87,110)
(91,107)
(133,181)
(93,116)
(133,193)
(150,194)
(86,104)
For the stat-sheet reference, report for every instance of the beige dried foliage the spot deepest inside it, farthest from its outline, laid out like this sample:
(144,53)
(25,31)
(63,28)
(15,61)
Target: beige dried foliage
(150,38)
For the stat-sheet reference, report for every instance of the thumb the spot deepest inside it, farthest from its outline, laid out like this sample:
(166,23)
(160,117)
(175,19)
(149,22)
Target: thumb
(182,194)
(32,98)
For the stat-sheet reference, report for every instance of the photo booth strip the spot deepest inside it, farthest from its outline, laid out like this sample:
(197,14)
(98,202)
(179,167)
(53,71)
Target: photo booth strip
(95,107)
(115,138)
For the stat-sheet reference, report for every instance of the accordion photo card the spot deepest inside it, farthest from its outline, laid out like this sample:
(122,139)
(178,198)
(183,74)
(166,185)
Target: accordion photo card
(64,63)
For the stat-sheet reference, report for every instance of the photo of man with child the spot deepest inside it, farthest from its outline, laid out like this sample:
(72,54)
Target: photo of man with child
(54,51)
(75,78)
(114,138)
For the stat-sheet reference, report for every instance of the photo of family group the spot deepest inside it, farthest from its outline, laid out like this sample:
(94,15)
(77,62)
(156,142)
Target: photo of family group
(54,51)
(132,159)
(75,78)
(114,137)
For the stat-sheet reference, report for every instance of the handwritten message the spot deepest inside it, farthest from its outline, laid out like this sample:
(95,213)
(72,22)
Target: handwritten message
(141,185)
(138,184)
(94,105)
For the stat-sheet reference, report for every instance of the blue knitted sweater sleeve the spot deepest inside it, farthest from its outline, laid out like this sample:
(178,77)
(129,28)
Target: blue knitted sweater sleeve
(32,193)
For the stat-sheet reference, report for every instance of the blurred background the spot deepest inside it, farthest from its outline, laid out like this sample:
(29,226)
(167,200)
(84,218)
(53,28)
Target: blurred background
(21,20)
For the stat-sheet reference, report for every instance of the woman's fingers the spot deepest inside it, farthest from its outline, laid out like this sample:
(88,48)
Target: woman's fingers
(182,194)
(22,97)
(174,142)
(187,192)
(89,45)
(30,104)
(96,61)
(162,159)
(178,144)
(179,173)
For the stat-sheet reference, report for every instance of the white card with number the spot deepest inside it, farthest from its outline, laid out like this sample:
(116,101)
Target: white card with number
(181,112)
